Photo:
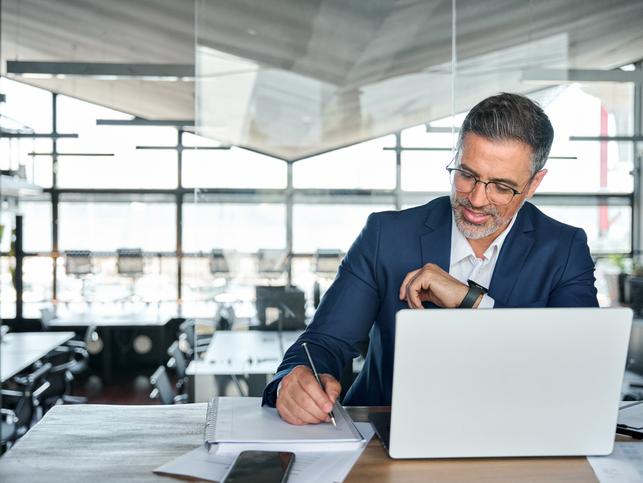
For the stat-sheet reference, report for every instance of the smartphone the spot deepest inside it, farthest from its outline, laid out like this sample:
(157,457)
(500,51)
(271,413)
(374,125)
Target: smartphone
(260,467)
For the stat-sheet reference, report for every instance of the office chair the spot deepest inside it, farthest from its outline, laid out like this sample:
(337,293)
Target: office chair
(78,263)
(24,397)
(190,342)
(8,429)
(66,363)
(164,391)
(178,362)
(130,263)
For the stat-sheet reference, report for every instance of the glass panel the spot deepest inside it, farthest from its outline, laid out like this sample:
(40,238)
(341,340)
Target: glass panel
(425,171)
(109,225)
(329,226)
(38,281)
(80,117)
(324,76)
(595,167)
(422,137)
(231,226)
(232,168)
(26,106)
(138,169)
(37,225)
(28,158)
(366,165)
(590,110)
(608,228)
(7,288)
(121,164)
(7,224)
(157,283)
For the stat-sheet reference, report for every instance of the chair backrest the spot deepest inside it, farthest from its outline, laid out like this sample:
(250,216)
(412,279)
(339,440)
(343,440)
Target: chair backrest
(163,389)
(180,363)
(188,329)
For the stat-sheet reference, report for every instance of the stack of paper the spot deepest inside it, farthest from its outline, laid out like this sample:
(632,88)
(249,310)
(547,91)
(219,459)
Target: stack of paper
(234,423)
(323,453)
(309,467)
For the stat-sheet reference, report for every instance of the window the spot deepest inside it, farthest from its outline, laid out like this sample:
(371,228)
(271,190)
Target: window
(363,166)
(232,168)
(104,224)
(329,225)
(233,226)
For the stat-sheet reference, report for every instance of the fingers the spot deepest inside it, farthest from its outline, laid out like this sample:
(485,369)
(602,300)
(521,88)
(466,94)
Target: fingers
(418,284)
(301,399)
(332,386)
(405,283)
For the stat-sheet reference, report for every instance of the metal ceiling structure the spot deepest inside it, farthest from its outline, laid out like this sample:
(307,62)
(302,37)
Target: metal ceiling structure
(315,74)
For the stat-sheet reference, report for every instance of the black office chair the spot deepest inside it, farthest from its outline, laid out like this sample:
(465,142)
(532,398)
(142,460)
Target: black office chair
(164,390)
(67,362)
(8,429)
(179,363)
(24,397)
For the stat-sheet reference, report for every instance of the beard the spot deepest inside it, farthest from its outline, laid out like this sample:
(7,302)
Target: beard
(475,231)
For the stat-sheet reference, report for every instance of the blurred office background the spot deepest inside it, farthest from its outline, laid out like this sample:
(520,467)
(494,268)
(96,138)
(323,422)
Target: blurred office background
(172,170)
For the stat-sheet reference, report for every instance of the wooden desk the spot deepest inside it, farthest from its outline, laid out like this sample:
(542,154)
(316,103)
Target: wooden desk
(21,349)
(125,443)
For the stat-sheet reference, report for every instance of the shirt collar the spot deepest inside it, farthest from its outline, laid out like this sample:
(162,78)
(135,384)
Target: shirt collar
(461,249)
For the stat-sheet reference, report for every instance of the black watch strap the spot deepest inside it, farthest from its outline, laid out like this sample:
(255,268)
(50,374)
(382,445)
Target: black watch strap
(472,295)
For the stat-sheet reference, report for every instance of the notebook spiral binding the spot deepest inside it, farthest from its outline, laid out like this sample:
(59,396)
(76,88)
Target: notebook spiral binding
(210,420)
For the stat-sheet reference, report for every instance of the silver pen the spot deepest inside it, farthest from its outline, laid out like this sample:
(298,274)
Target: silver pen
(312,366)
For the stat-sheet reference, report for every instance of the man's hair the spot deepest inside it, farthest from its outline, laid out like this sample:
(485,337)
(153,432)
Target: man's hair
(511,116)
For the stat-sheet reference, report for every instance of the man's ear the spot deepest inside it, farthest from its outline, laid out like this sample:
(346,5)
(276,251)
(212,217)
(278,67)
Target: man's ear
(535,182)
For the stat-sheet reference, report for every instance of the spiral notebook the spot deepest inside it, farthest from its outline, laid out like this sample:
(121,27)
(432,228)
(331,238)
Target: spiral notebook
(242,420)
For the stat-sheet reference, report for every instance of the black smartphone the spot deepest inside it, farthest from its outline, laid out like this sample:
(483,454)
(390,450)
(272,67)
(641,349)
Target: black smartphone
(260,467)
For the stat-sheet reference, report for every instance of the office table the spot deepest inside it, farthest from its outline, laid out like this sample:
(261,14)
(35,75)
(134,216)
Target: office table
(243,352)
(21,349)
(150,321)
(101,443)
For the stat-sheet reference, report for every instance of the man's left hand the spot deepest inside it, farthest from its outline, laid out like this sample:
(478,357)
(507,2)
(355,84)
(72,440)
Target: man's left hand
(432,284)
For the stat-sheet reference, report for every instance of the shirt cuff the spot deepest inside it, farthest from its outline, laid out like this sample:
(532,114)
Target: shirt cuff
(486,302)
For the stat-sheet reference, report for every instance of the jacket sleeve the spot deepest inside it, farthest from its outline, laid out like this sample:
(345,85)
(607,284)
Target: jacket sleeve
(576,285)
(344,316)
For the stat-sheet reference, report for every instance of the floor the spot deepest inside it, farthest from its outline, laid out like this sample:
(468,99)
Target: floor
(123,389)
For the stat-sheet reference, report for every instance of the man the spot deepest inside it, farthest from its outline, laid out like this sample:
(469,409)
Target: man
(424,257)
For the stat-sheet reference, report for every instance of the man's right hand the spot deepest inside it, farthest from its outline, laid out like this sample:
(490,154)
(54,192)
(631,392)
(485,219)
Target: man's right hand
(302,401)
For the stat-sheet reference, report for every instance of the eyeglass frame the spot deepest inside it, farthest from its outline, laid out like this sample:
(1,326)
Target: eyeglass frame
(486,183)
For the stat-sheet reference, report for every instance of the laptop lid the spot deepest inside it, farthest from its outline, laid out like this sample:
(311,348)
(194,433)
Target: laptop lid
(507,382)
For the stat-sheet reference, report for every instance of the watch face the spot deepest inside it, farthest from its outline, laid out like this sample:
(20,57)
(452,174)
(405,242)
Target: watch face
(477,285)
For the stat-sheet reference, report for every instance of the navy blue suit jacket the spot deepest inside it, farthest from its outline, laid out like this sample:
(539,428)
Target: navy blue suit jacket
(542,263)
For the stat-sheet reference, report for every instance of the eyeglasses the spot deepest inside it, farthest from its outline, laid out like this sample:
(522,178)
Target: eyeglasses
(497,193)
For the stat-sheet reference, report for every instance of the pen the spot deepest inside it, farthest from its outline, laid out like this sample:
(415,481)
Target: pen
(312,366)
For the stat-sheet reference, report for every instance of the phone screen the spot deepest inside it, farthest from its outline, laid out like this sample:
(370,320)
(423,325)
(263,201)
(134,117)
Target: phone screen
(260,467)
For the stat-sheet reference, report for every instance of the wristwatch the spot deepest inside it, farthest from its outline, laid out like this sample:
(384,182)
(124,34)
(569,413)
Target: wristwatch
(472,295)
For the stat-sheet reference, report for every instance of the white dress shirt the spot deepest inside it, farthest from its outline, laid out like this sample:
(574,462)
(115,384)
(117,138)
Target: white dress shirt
(465,265)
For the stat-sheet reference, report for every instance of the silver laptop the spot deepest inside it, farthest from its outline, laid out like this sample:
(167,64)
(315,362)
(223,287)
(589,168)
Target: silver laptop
(506,382)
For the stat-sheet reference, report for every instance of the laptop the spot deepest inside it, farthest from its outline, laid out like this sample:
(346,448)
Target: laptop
(505,382)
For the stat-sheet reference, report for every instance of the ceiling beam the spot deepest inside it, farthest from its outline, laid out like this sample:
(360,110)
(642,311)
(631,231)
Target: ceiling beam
(582,75)
(138,121)
(102,70)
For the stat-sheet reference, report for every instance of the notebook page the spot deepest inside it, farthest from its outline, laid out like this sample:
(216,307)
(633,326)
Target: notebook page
(242,419)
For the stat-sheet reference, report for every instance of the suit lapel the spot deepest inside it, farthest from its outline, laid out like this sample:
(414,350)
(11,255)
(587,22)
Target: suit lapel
(436,243)
(512,257)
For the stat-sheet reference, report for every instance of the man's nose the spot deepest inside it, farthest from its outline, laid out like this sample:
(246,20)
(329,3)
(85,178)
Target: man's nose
(478,197)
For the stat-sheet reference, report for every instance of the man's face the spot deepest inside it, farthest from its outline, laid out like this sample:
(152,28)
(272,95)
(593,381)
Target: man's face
(507,162)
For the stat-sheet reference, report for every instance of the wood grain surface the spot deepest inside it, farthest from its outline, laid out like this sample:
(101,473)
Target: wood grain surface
(100,443)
